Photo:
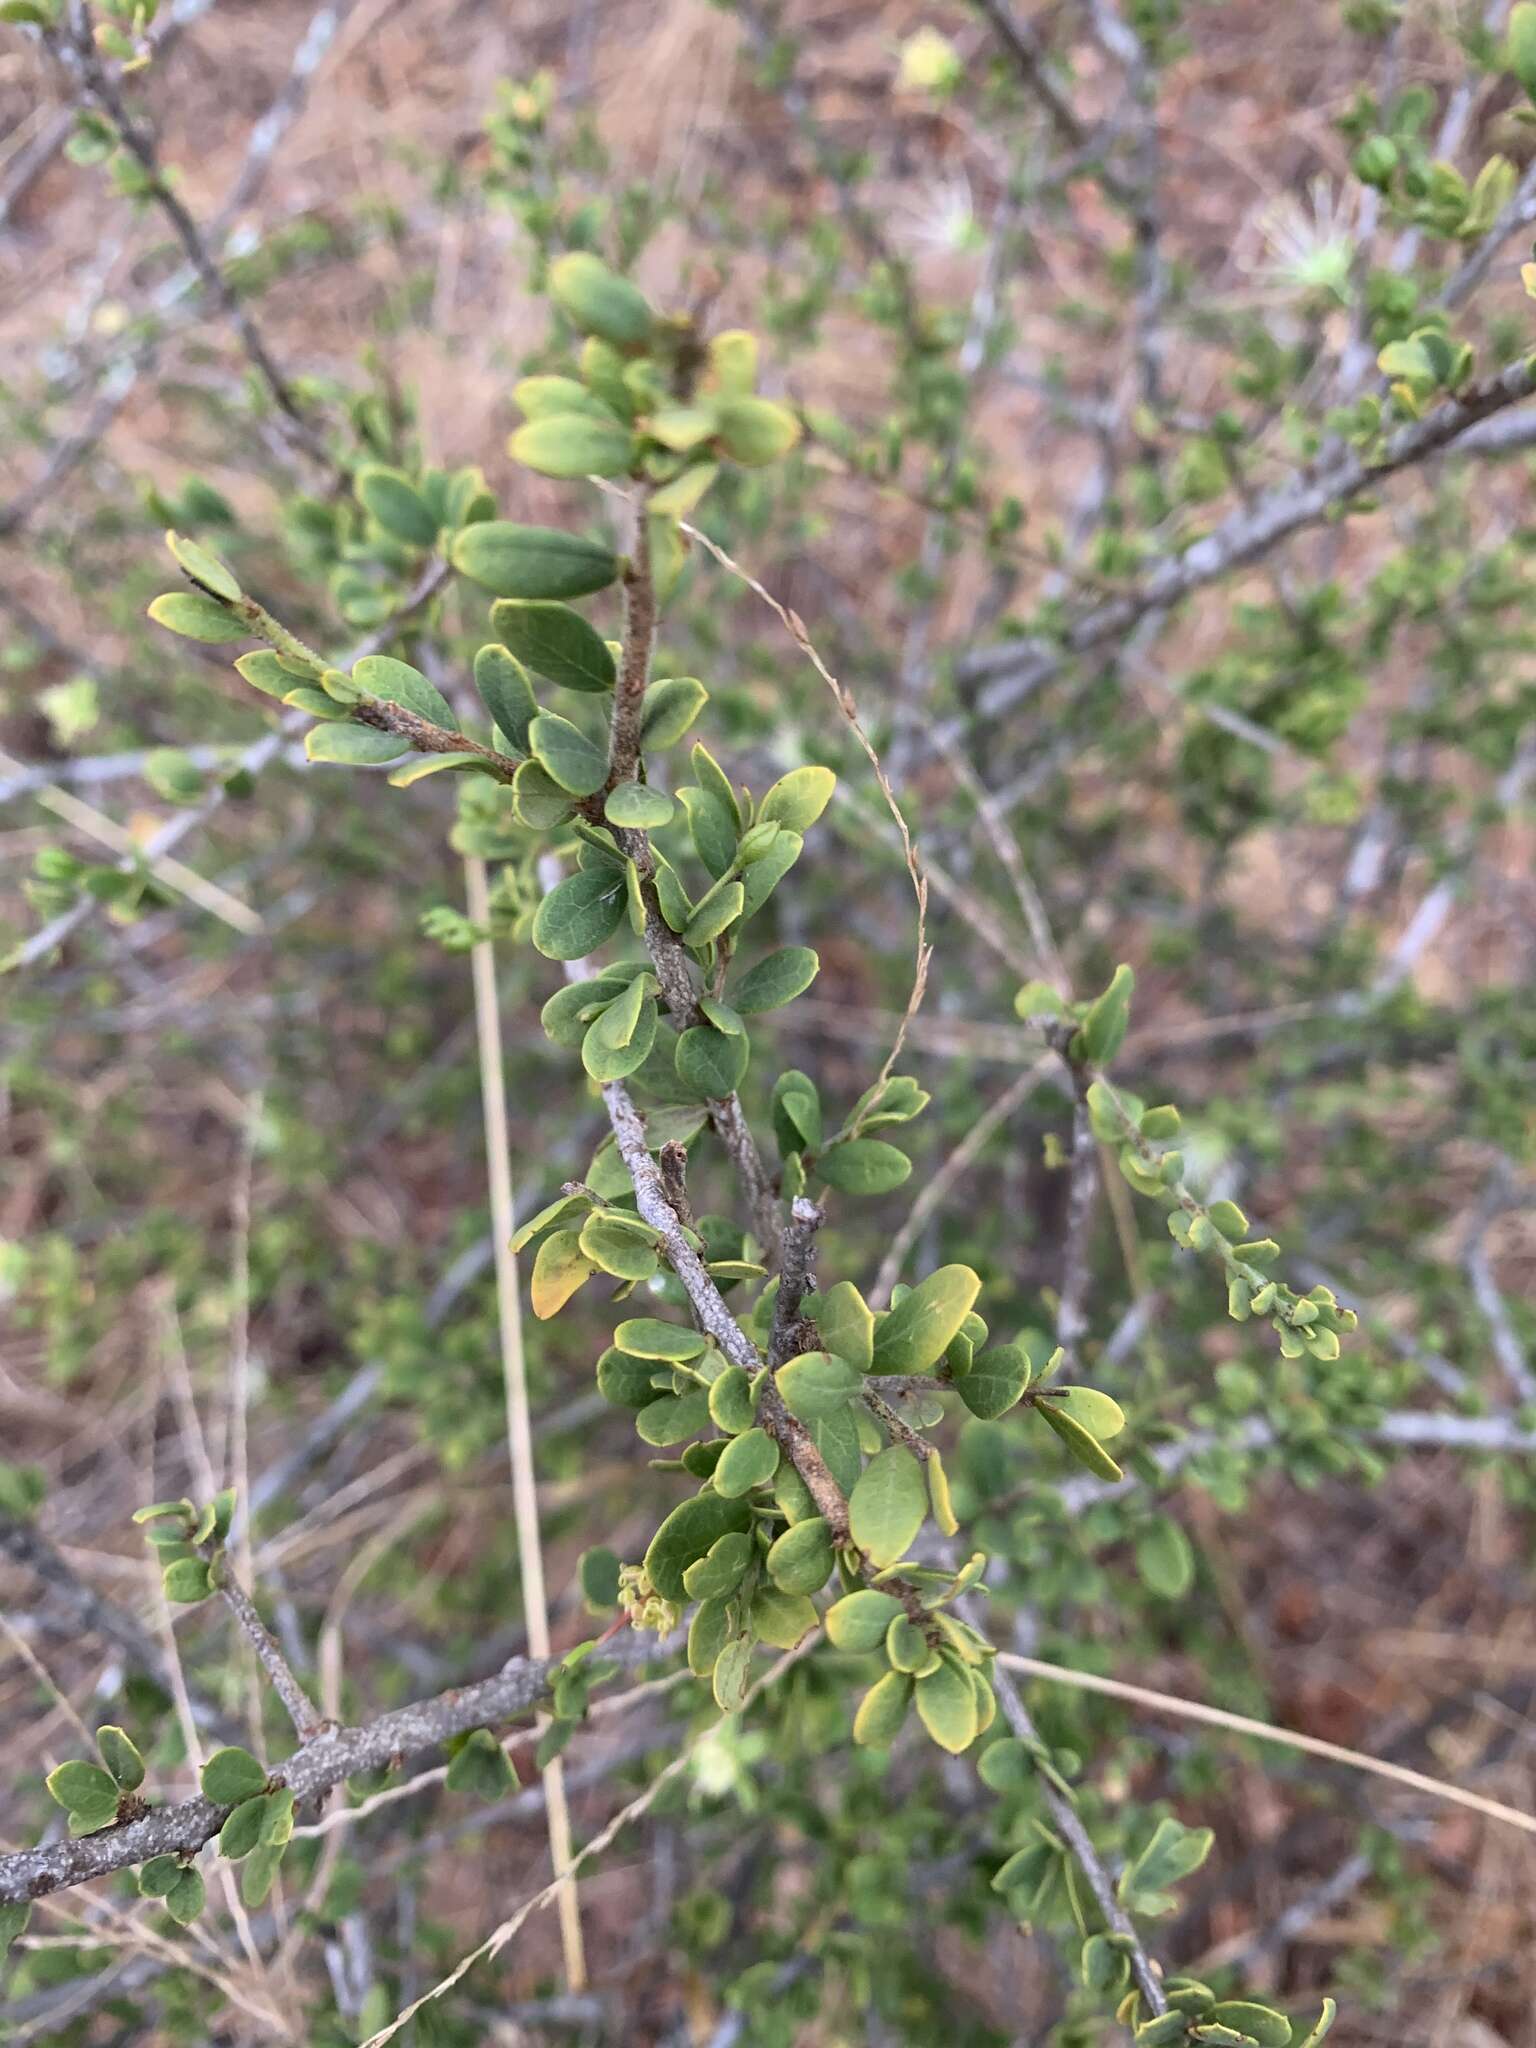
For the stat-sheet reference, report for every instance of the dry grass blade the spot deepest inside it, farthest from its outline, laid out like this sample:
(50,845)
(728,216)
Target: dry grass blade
(525,1503)
(495,1942)
(1266,1731)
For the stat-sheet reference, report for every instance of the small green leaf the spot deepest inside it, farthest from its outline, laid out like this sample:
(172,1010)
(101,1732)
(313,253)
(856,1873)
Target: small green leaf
(121,1757)
(608,1242)
(1084,1446)
(769,869)
(781,1618)
(722,1016)
(732,359)
(801,1560)
(756,430)
(723,1567)
(277,1821)
(242,1830)
(732,1401)
(555,642)
(1260,2023)
(569,1012)
(860,1621)
(573,444)
(77,1786)
(775,980)
(1037,999)
(888,1505)
(882,1711)
(231,1775)
(836,1436)
(946,1706)
(1103,1030)
(863,1166)
(187,1581)
(1324,2027)
(710,1062)
(158,1875)
(678,499)
(264,672)
(597,1571)
(93,1814)
(637,805)
(552,1213)
(506,693)
(907,1648)
(479,1766)
(938,1495)
(539,801)
(580,913)
(1006,1766)
(542,398)
(625,1381)
(816,1384)
(733,1674)
(708,1632)
(798,798)
(681,427)
(260,1873)
(711,828)
(673,1418)
(1165,1559)
(748,1460)
(689,1533)
(649,1337)
(186,1897)
(599,301)
(196,617)
(390,498)
(532,561)
(1173,1853)
(204,568)
(1521,46)
(997,1379)
(566,755)
(396,682)
(417,770)
(918,1330)
(846,1323)
(1099,1414)
(714,913)
(353,746)
(315,703)
(667,710)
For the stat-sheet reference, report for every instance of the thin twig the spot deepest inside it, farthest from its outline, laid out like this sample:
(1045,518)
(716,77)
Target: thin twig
(794,625)
(300,1708)
(936,1188)
(250,763)
(1065,1818)
(140,145)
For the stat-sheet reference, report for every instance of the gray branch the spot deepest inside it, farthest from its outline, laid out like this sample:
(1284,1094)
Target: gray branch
(1011,671)
(182,1829)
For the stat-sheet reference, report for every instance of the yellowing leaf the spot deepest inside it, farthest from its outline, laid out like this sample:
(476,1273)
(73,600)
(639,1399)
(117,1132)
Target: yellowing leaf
(559,1268)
